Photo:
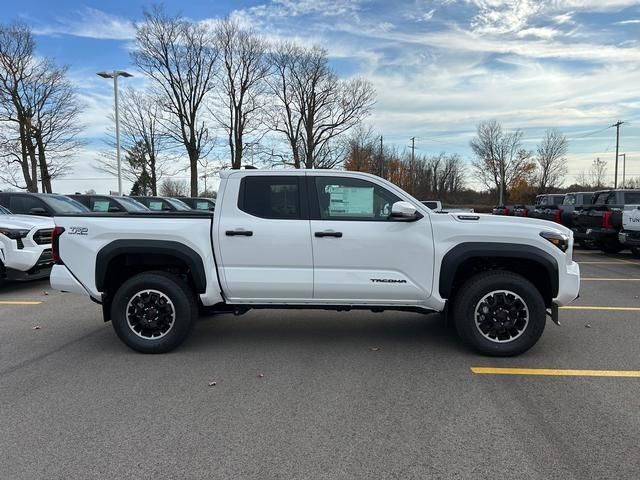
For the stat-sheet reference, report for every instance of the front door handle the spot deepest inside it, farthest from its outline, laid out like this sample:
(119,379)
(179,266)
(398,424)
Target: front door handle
(328,234)
(241,233)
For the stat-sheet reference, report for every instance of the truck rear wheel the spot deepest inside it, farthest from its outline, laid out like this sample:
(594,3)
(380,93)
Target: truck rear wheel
(499,313)
(153,312)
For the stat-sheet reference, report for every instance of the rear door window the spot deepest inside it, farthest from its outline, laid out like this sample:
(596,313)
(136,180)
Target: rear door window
(276,197)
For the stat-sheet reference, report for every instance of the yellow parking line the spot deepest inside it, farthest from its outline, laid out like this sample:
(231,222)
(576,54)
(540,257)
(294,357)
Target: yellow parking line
(615,309)
(555,372)
(595,279)
(19,303)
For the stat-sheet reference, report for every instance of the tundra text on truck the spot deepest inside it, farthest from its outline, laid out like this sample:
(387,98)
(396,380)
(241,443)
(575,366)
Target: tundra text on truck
(317,239)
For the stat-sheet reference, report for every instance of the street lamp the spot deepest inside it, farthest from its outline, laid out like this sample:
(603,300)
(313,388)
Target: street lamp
(115,74)
(624,167)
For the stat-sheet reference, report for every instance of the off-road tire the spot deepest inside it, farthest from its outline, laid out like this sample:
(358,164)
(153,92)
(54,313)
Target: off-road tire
(468,301)
(181,301)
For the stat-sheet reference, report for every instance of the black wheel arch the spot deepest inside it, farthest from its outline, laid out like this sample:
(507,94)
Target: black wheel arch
(151,254)
(469,258)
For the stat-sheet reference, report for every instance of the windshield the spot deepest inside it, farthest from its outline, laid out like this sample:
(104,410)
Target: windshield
(4,211)
(62,204)
(132,204)
(178,204)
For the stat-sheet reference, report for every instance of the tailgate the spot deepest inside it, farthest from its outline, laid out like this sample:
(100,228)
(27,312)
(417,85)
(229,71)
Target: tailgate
(631,218)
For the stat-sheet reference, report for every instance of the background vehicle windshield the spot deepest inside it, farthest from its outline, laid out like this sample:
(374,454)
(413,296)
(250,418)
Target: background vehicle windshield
(132,204)
(62,204)
(178,204)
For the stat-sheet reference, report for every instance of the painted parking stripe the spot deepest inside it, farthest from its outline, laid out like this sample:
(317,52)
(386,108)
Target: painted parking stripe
(555,372)
(19,303)
(612,309)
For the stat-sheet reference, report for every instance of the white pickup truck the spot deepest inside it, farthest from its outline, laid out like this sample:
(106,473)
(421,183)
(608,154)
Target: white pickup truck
(629,236)
(25,246)
(317,239)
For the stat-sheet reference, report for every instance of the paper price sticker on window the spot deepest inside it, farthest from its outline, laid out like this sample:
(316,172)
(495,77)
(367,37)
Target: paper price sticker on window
(350,201)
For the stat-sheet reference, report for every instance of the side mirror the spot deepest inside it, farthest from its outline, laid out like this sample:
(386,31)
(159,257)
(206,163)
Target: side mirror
(38,211)
(403,211)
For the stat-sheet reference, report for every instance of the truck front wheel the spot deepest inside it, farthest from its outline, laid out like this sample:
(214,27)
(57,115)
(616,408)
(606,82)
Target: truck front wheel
(153,312)
(499,313)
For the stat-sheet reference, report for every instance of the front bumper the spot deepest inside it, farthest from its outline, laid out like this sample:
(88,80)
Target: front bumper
(30,256)
(568,285)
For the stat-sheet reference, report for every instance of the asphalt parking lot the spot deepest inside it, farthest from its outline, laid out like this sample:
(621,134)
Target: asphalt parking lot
(309,395)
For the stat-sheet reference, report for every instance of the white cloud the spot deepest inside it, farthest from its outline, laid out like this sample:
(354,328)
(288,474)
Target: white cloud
(538,32)
(629,22)
(90,23)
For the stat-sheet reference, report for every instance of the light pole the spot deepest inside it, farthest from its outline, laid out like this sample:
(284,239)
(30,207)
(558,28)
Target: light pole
(115,74)
(624,167)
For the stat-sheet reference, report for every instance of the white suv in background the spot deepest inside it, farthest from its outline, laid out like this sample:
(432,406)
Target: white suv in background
(25,246)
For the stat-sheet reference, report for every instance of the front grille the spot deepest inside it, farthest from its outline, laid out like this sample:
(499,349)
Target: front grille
(43,237)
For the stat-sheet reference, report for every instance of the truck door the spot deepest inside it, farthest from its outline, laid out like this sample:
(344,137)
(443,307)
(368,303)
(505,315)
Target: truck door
(361,255)
(263,239)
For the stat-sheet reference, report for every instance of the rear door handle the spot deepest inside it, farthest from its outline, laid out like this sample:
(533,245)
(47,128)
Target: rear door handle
(241,233)
(328,234)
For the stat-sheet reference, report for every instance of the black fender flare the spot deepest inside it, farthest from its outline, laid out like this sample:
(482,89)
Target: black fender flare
(158,247)
(466,251)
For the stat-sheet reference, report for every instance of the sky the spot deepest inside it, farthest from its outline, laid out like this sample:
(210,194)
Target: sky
(439,67)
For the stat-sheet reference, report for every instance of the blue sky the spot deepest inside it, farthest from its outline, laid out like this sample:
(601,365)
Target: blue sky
(439,66)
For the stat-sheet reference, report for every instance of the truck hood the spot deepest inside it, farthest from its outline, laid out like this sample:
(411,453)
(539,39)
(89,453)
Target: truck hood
(26,222)
(499,221)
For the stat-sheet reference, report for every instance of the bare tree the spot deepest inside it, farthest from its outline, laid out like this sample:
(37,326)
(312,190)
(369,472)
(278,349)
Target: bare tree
(598,173)
(315,106)
(180,57)
(242,75)
(501,161)
(142,130)
(38,113)
(552,166)
(173,188)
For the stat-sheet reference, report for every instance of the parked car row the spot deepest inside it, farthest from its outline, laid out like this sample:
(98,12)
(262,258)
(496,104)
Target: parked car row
(606,219)
(48,204)
(26,225)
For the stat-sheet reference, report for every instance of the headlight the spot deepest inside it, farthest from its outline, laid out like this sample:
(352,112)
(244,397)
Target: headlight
(14,233)
(560,240)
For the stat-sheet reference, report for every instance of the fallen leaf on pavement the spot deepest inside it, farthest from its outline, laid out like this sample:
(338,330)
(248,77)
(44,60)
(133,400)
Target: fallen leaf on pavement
(37,327)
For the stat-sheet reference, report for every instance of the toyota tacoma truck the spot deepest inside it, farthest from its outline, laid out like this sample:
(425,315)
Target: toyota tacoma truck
(318,239)
(25,246)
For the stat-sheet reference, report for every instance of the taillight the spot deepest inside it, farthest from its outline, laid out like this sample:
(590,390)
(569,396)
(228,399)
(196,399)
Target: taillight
(526,212)
(506,210)
(55,245)
(606,220)
(558,216)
